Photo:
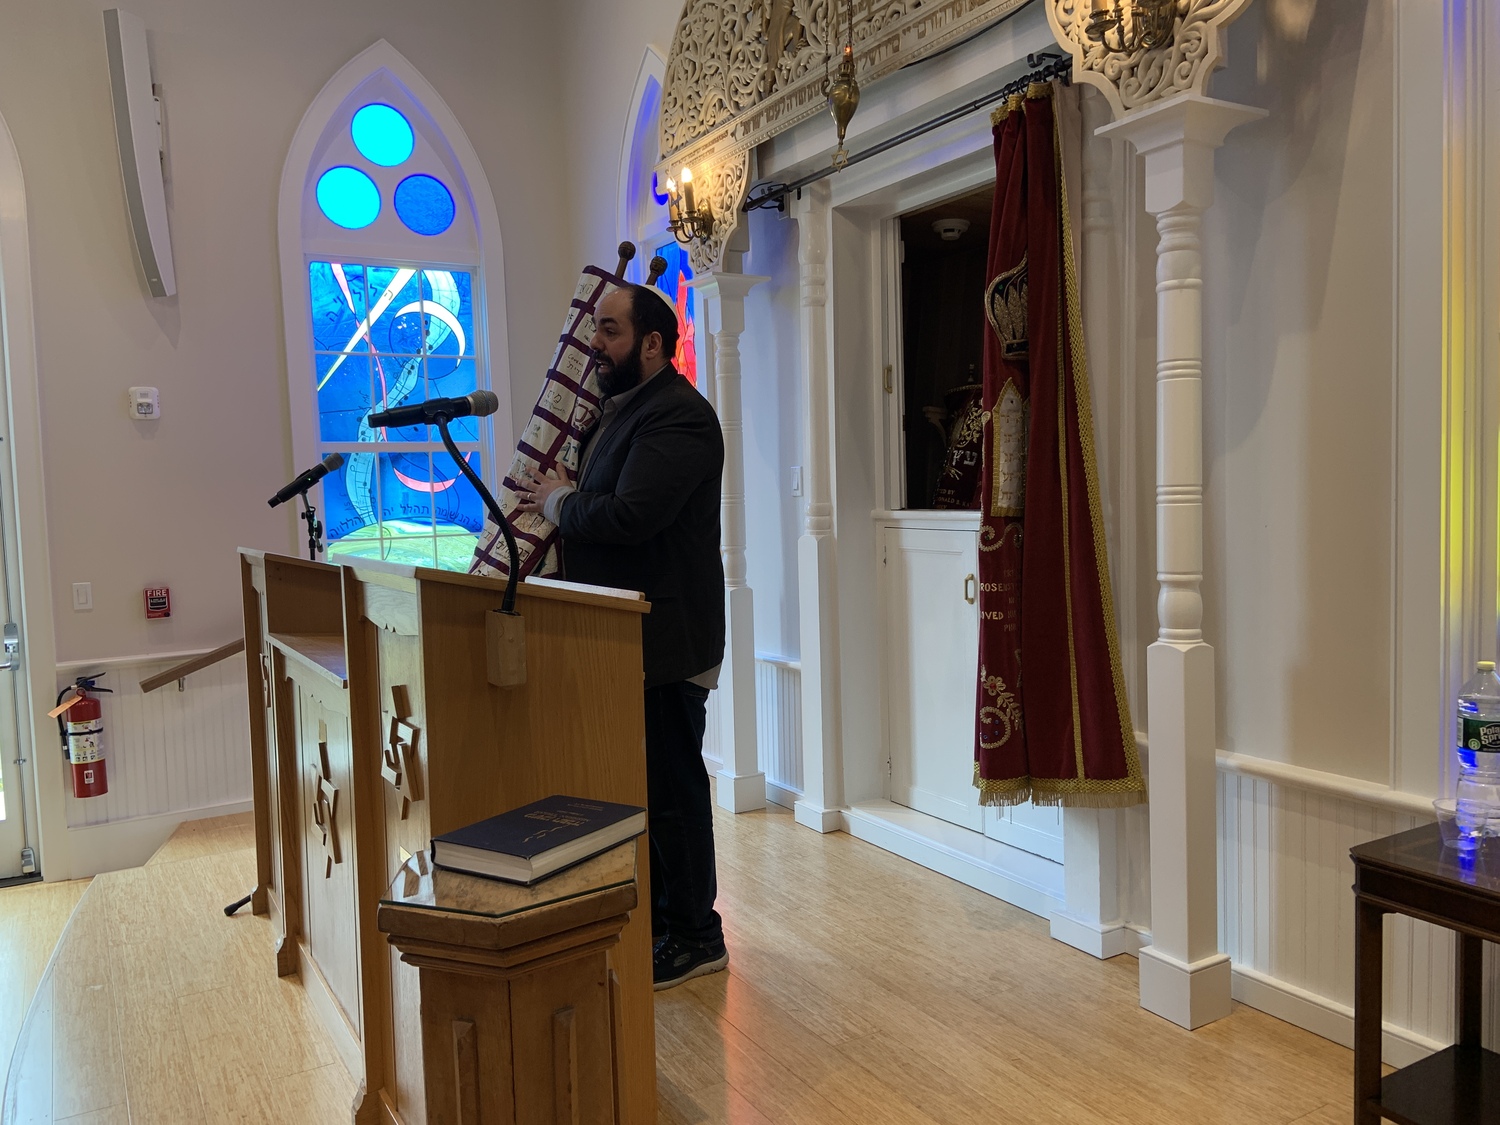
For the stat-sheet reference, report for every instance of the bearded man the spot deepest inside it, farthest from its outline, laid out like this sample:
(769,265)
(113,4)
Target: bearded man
(645,516)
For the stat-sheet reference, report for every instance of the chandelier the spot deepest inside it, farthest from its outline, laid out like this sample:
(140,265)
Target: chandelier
(1127,26)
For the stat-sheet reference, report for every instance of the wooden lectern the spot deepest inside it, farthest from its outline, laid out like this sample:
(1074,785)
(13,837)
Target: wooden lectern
(374,726)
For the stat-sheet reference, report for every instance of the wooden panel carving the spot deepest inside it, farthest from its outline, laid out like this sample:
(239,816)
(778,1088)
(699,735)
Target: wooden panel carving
(1134,80)
(401,766)
(742,71)
(326,804)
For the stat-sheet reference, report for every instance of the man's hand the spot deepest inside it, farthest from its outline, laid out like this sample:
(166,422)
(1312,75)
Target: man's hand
(533,490)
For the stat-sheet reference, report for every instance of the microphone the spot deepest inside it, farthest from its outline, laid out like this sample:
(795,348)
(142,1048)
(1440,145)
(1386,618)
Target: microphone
(478,403)
(308,479)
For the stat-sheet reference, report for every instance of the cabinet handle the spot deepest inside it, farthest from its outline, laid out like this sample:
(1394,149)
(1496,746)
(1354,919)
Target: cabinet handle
(971,584)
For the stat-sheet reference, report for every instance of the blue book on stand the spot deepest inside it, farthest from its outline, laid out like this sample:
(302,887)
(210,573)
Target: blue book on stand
(539,839)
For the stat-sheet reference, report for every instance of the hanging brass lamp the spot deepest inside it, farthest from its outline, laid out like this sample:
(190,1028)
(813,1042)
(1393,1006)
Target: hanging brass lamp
(843,92)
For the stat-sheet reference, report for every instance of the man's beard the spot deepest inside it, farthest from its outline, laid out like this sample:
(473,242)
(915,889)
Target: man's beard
(620,377)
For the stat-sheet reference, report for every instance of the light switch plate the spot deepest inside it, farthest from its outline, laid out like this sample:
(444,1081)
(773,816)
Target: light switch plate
(83,595)
(796,480)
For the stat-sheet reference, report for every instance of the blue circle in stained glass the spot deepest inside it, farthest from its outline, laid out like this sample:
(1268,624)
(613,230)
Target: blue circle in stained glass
(382,135)
(424,204)
(348,197)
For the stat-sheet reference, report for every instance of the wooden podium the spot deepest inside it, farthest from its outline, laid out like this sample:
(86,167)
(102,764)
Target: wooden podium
(374,726)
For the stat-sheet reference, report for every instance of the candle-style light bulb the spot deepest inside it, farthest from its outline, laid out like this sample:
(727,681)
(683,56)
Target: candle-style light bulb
(687,190)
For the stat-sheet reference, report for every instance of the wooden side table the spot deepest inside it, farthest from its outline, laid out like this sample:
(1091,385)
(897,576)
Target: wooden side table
(519,1004)
(1414,874)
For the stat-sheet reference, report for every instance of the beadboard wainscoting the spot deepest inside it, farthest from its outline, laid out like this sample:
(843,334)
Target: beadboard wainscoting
(1286,908)
(778,724)
(173,756)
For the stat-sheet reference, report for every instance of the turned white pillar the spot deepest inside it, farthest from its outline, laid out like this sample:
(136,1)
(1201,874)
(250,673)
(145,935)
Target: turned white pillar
(822,789)
(1091,917)
(742,785)
(1183,976)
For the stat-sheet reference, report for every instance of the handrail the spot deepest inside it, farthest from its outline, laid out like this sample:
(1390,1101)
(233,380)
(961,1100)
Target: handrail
(196,664)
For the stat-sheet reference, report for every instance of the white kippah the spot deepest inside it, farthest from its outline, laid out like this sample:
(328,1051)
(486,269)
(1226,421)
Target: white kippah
(666,299)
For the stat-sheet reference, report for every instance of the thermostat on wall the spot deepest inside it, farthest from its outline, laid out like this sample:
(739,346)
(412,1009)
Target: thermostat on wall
(145,402)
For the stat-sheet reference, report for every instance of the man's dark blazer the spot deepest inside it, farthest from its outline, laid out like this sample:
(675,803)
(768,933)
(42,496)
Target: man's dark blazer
(646,517)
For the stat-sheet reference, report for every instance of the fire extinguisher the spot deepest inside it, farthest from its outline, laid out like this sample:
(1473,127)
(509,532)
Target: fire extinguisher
(82,729)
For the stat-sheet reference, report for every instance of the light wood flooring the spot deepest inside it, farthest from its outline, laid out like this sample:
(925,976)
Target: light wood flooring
(32,917)
(861,990)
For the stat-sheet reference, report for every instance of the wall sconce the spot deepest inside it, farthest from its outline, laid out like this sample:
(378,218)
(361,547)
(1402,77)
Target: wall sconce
(690,221)
(1145,24)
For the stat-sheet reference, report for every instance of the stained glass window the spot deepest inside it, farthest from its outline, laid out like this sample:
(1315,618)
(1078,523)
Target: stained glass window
(385,336)
(674,283)
(382,135)
(348,197)
(424,204)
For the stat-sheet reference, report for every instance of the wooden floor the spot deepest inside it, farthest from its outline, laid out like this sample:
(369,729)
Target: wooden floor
(32,917)
(861,989)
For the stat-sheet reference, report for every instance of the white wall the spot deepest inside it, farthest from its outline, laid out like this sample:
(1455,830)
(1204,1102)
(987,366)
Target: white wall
(1299,333)
(166,502)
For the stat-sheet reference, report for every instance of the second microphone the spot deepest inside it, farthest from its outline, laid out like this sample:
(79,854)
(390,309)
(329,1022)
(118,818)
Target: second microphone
(477,403)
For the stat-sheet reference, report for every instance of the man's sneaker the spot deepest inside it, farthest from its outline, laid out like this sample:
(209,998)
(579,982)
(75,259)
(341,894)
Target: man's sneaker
(676,960)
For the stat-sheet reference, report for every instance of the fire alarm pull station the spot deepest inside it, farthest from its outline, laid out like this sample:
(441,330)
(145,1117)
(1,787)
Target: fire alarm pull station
(158,602)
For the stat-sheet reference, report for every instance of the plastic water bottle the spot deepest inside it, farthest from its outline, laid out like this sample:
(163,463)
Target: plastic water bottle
(1479,754)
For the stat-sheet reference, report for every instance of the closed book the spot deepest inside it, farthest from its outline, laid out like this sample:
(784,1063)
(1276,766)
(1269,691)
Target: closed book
(539,839)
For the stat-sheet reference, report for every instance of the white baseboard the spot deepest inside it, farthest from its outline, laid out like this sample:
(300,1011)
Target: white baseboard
(1019,878)
(1101,941)
(129,843)
(781,795)
(744,792)
(817,817)
(1190,994)
(1322,1016)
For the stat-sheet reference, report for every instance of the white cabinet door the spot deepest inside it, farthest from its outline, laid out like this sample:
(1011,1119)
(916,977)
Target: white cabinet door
(932,655)
(1032,829)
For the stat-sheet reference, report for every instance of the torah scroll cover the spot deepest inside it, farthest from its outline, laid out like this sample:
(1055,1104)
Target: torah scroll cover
(565,411)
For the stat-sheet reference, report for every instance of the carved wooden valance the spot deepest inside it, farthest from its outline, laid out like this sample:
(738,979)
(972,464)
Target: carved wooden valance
(1135,80)
(742,71)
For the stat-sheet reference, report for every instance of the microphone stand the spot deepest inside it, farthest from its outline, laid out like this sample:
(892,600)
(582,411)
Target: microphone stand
(508,605)
(314,527)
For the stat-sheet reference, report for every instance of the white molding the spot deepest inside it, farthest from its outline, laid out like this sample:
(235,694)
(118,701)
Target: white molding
(39,647)
(122,844)
(1029,881)
(781,795)
(1335,785)
(963,519)
(489,313)
(653,68)
(1322,1016)
(1101,941)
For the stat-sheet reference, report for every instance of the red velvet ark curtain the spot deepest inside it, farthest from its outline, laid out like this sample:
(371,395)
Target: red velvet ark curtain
(1053,723)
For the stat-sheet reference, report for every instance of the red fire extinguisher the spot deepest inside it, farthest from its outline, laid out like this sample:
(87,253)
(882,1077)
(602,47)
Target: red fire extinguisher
(82,729)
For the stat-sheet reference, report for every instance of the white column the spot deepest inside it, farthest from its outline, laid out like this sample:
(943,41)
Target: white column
(742,785)
(1091,918)
(1184,977)
(822,789)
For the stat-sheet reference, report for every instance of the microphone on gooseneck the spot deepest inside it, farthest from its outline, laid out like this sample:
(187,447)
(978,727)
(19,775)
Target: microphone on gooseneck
(477,403)
(306,480)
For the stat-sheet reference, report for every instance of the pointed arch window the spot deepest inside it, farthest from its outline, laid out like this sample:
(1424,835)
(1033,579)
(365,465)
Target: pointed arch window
(391,291)
(644,211)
